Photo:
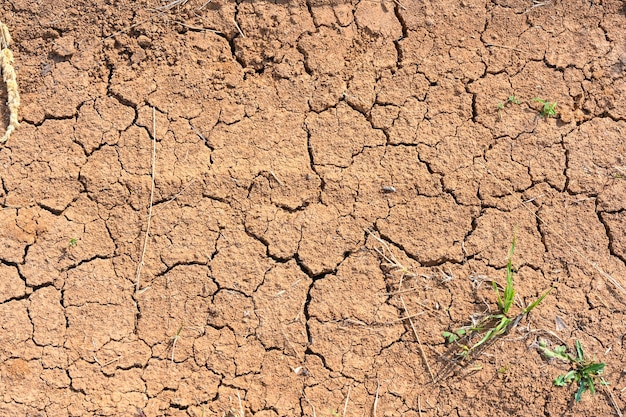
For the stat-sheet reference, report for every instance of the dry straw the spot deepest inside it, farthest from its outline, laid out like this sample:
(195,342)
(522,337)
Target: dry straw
(10,78)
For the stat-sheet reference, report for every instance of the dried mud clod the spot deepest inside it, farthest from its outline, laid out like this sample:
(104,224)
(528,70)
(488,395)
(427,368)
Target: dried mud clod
(10,79)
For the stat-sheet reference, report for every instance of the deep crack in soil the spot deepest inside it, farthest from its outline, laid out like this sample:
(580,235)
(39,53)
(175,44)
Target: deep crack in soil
(286,131)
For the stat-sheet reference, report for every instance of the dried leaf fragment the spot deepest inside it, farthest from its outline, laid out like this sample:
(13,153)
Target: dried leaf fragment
(10,79)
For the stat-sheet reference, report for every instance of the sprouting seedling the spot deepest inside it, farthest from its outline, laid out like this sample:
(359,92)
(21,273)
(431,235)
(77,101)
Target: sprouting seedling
(73,242)
(501,105)
(513,100)
(585,373)
(174,340)
(548,107)
(492,326)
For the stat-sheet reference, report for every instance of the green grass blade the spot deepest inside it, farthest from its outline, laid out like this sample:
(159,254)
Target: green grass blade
(499,298)
(594,368)
(582,387)
(509,289)
(579,351)
(535,303)
(590,385)
(494,332)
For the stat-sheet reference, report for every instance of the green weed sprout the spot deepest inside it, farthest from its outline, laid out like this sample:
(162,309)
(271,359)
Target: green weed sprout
(513,100)
(492,326)
(548,109)
(501,105)
(174,340)
(585,372)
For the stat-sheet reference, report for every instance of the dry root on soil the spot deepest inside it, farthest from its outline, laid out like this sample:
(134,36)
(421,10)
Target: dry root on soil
(10,78)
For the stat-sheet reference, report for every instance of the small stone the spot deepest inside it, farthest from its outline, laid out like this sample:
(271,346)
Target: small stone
(144,41)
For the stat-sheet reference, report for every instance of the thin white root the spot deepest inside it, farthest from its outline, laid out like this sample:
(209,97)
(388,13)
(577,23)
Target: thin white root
(10,79)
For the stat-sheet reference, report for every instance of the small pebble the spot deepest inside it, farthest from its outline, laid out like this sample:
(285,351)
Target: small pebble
(144,41)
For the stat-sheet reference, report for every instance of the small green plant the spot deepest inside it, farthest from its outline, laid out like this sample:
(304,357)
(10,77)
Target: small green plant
(513,100)
(585,373)
(500,106)
(174,340)
(492,326)
(548,108)
(73,242)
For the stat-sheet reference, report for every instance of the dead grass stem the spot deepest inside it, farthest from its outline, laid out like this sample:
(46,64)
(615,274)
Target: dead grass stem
(145,241)
(419,405)
(375,406)
(394,265)
(345,406)
(171,5)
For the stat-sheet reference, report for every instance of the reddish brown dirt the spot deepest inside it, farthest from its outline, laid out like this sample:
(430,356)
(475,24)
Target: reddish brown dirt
(284,131)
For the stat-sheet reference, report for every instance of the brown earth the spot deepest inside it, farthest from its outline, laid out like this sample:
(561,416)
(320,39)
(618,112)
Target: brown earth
(285,130)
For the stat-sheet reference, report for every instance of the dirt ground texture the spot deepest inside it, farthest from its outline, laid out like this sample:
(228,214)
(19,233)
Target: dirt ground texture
(283,132)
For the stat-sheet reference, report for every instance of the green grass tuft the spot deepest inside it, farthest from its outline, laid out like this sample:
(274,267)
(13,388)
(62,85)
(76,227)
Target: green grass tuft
(492,326)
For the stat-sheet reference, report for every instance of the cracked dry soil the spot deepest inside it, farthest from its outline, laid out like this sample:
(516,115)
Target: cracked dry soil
(284,131)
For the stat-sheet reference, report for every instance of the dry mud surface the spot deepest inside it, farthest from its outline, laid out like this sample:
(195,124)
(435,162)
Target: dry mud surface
(283,131)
